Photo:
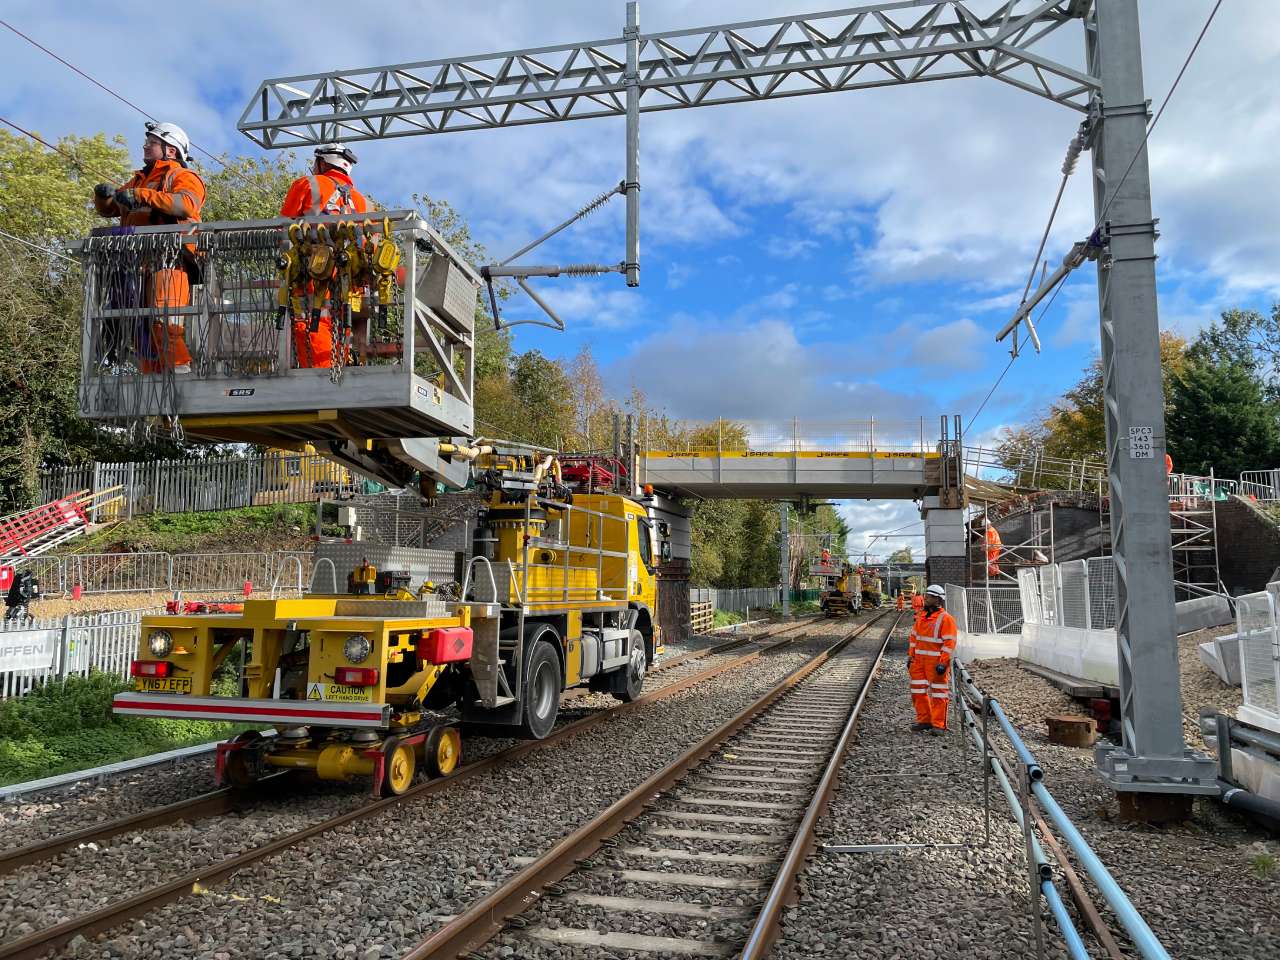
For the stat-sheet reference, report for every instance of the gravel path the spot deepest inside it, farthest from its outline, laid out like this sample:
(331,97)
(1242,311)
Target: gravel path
(897,786)
(1200,884)
(375,887)
(40,816)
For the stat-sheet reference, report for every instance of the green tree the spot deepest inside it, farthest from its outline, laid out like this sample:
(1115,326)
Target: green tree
(1073,428)
(1219,418)
(248,188)
(901,555)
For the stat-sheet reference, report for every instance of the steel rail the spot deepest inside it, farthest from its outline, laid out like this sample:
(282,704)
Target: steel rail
(216,803)
(40,942)
(476,925)
(769,919)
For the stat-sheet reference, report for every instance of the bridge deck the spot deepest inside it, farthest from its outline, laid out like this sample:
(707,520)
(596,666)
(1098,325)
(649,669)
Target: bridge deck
(783,475)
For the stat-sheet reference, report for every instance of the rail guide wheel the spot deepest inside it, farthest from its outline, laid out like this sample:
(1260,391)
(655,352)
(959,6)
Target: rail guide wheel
(243,765)
(443,751)
(398,766)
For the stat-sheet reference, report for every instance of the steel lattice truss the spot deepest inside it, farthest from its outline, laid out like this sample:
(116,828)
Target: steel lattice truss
(882,44)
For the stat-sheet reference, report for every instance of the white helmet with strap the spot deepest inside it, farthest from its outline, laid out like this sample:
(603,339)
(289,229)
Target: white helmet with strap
(936,591)
(174,136)
(337,155)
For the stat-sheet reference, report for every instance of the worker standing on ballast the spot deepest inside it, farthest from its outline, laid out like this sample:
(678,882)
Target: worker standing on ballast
(164,191)
(328,190)
(929,653)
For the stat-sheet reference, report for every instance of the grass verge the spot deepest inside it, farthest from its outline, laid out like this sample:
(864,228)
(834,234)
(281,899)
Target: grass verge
(61,727)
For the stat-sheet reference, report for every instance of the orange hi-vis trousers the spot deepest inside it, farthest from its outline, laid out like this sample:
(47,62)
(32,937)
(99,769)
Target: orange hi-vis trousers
(167,346)
(933,642)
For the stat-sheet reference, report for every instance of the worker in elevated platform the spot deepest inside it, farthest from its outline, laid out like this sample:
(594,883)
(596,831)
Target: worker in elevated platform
(929,651)
(328,190)
(164,191)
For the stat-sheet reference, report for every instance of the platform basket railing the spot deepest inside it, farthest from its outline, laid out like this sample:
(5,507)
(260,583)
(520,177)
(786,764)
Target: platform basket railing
(155,295)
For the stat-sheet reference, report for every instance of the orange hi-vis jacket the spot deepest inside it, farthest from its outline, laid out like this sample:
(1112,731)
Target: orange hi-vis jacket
(933,642)
(323,193)
(934,635)
(167,193)
(917,602)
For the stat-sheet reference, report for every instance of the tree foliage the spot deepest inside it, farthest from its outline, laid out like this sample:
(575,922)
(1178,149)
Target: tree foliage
(1222,403)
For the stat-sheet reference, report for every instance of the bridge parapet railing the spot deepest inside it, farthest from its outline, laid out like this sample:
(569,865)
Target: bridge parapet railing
(795,437)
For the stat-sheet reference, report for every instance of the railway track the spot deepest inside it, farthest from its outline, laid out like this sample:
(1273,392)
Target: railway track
(705,852)
(216,803)
(668,678)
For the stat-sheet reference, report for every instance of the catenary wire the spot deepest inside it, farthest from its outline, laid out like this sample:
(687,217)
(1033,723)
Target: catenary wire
(36,246)
(57,149)
(125,100)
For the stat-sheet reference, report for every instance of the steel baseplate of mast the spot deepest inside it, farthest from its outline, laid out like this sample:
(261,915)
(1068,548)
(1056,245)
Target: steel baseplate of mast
(401,361)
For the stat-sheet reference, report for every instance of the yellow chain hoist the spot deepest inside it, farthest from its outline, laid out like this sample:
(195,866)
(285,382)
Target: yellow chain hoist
(384,260)
(321,259)
(289,265)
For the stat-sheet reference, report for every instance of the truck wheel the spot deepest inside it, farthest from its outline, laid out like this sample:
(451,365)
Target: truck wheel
(629,681)
(541,700)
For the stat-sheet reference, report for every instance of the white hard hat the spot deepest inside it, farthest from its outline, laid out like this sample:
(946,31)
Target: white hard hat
(337,155)
(174,136)
(934,590)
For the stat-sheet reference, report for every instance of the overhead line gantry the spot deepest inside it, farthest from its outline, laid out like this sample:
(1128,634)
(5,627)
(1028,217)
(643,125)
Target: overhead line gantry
(874,45)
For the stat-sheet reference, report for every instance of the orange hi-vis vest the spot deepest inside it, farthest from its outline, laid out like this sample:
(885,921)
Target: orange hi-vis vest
(323,193)
(934,636)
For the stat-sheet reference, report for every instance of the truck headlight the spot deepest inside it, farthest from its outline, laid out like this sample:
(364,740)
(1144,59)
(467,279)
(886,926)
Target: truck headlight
(160,643)
(357,647)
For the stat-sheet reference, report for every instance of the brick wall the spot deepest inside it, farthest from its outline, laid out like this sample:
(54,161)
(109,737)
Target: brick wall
(673,600)
(944,570)
(1248,546)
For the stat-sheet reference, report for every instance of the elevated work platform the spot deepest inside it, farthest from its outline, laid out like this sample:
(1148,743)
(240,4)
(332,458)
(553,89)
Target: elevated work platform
(215,326)
(860,459)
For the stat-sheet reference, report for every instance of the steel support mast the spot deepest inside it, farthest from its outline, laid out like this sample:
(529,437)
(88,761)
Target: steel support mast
(1154,756)
(889,43)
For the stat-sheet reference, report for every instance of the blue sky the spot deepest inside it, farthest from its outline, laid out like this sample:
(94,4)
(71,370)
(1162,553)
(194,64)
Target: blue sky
(837,256)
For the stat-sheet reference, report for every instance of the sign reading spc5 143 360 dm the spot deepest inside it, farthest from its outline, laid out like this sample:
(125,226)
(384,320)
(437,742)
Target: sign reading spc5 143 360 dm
(28,649)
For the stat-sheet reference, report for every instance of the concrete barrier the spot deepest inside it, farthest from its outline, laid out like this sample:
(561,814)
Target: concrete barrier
(1203,613)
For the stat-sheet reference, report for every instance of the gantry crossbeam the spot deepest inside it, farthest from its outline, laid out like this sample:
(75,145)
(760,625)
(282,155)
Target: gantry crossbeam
(877,45)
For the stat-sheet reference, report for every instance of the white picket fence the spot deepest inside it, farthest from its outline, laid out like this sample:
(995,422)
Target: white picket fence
(67,646)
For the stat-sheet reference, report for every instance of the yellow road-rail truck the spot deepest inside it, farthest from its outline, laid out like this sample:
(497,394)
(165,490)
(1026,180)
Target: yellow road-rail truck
(394,651)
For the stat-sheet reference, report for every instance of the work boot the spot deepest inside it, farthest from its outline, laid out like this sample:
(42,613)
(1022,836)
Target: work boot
(920,727)
(938,731)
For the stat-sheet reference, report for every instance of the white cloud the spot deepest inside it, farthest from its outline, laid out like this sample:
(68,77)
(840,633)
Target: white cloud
(584,305)
(880,527)
(790,248)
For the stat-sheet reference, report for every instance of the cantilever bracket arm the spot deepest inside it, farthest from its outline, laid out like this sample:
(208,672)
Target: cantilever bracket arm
(522,273)
(1081,252)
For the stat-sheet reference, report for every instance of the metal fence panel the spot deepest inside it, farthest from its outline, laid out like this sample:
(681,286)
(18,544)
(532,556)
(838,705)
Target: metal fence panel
(1102,593)
(1259,651)
(119,572)
(739,600)
(958,607)
(1074,582)
(993,609)
(210,572)
(1029,596)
